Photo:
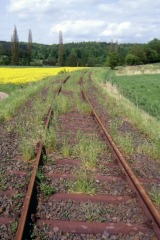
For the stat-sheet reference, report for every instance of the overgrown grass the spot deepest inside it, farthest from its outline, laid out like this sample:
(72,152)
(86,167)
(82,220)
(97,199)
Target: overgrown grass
(35,127)
(81,105)
(10,88)
(61,105)
(66,148)
(118,106)
(14,227)
(51,139)
(84,182)
(73,82)
(72,86)
(125,142)
(45,187)
(155,195)
(27,149)
(88,149)
(18,96)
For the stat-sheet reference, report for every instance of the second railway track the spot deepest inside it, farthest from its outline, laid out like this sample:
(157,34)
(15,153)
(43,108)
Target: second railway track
(81,192)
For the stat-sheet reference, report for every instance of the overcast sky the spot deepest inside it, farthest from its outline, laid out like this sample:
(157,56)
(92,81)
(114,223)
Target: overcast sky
(81,20)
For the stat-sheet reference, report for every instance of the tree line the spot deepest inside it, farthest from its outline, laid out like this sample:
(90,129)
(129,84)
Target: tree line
(77,54)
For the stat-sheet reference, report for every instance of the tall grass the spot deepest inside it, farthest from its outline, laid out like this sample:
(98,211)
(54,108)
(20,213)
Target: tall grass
(125,142)
(81,105)
(31,128)
(61,105)
(118,105)
(88,149)
(50,139)
(84,182)
(10,105)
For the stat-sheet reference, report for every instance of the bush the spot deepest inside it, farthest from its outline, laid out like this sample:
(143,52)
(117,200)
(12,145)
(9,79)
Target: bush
(113,60)
(131,59)
(37,63)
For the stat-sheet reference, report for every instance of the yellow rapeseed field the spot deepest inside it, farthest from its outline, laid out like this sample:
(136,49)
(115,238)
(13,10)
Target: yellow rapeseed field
(24,75)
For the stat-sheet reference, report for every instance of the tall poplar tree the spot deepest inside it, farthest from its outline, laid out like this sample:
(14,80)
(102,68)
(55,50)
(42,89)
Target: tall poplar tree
(29,46)
(15,47)
(60,50)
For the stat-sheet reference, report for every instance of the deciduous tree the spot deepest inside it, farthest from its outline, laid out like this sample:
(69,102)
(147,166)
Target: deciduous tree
(113,60)
(131,59)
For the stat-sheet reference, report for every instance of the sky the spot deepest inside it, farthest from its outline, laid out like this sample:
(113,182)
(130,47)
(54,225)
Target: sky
(125,21)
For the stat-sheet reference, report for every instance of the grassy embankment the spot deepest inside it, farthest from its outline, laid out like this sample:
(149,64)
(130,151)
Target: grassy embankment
(142,92)
(18,95)
(118,105)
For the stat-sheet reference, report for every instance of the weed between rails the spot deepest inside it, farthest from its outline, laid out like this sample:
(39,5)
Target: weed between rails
(27,149)
(46,189)
(66,148)
(84,182)
(14,227)
(155,195)
(81,106)
(76,100)
(93,211)
(51,139)
(61,105)
(88,149)
(44,183)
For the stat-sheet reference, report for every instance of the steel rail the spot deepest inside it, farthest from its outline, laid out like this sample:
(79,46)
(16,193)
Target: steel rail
(144,200)
(26,205)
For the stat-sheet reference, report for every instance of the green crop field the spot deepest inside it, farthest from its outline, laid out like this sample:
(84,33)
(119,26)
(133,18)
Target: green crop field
(143,90)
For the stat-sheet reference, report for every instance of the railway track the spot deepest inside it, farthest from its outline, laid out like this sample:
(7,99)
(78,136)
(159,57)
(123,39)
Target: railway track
(95,193)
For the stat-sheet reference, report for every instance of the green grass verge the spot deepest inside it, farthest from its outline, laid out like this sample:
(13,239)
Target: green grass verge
(11,87)
(119,106)
(141,89)
(18,96)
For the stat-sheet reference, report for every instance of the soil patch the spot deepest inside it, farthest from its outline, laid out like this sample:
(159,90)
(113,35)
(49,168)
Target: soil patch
(3,95)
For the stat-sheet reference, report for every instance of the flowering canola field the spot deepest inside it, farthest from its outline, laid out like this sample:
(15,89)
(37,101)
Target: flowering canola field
(24,75)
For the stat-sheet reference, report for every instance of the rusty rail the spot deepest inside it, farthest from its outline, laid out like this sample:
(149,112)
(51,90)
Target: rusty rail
(27,202)
(146,203)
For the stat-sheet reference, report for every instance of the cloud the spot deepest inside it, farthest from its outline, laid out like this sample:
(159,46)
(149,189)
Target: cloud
(83,29)
(32,5)
(81,20)
(110,8)
(78,26)
(117,29)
